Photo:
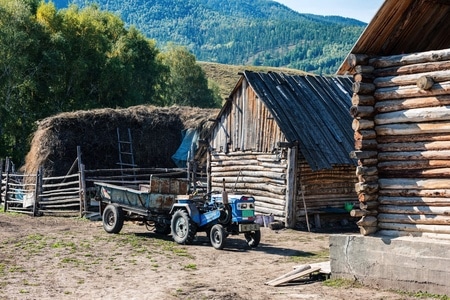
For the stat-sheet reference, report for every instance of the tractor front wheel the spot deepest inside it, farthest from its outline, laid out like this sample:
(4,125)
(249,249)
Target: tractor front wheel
(218,236)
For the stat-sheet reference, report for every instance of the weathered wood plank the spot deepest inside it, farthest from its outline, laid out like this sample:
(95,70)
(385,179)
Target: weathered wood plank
(412,129)
(414,146)
(415,115)
(413,183)
(411,79)
(412,68)
(419,210)
(414,155)
(417,228)
(411,103)
(414,219)
(410,58)
(390,93)
(414,200)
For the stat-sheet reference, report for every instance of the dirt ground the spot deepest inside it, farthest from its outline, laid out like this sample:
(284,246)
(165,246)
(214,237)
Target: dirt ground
(71,258)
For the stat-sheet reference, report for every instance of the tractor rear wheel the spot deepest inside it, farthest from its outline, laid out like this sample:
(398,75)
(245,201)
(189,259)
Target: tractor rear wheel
(112,218)
(218,236)
(253,238)
(182,227)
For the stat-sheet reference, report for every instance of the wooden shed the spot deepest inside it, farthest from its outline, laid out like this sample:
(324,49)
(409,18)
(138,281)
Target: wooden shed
(401,110)
(286,140)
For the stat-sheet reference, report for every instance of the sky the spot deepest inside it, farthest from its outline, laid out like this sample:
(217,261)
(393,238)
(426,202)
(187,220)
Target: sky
(362,10)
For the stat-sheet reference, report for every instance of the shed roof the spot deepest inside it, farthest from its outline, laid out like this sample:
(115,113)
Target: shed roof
(310,110)
(405,26)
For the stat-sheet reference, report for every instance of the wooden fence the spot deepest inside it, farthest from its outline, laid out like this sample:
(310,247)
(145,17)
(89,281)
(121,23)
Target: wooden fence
(35,194)
(74,193)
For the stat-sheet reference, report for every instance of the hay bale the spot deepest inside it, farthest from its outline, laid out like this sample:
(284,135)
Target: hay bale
(156,134)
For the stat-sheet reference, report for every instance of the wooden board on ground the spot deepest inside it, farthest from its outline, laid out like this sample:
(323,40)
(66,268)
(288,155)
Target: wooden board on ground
(325,267)
(294,276)
(296,270)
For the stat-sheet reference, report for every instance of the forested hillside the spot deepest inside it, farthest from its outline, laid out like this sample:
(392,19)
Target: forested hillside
(240,32)
(54,61)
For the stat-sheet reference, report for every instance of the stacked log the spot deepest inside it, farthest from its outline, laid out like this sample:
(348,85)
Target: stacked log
(330,188)
(261,175)
(411,120)
(363,111)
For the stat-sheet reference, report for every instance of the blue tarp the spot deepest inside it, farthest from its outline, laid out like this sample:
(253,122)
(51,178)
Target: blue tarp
(189,142)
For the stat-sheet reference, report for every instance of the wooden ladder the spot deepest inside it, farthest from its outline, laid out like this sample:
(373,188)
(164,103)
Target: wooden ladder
(126,156)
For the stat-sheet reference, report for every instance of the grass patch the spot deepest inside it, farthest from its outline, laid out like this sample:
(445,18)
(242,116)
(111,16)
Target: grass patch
(71,260)
(15,269)
(71,246)
(174,248)
(342,283)
(190,267)
(423,295)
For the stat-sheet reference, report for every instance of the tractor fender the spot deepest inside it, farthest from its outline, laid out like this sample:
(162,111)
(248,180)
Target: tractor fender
(191,209)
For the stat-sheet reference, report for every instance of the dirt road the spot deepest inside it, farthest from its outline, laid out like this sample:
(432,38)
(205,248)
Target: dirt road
(72,258)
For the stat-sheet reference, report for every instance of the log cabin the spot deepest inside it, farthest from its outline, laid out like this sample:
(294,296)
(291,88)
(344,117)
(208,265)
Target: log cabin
(400,106)
(401,123)
(286,140)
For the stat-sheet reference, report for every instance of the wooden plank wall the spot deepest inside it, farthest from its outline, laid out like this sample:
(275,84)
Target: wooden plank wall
(246,125)
(261,175)
(402,137)
(245,153)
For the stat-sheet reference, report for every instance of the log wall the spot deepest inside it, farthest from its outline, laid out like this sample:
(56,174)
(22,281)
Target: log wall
(261,175)
(324,189)
(401,110)
(250,152)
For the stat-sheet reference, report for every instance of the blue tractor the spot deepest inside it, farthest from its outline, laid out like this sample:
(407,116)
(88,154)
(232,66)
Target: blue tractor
(237,215)
(219,215)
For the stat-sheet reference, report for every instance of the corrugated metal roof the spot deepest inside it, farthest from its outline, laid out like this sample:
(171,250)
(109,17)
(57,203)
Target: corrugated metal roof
(405,26)
(310,110)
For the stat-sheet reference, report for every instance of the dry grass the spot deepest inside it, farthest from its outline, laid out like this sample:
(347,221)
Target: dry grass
(156,134)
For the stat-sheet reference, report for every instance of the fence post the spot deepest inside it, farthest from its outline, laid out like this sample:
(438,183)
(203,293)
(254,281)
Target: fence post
(83,192)
(82,179)
(1,179)
(5,207)
(37,191)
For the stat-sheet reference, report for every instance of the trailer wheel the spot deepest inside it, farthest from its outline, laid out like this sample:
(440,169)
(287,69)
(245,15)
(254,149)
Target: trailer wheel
(253,238)
(183,228)
(112,218)
(217,236)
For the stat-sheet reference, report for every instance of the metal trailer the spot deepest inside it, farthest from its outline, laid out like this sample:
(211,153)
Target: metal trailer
(165,207)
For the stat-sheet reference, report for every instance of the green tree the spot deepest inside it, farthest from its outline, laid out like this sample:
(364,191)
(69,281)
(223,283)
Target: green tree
(54,61)
(19,68)
(186,82)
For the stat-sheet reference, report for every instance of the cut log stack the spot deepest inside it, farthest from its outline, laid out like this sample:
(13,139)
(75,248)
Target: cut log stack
(258,174)
(401,110)
(363,111)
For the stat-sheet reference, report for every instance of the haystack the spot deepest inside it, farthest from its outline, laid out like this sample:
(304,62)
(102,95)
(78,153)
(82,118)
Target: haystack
(156,134)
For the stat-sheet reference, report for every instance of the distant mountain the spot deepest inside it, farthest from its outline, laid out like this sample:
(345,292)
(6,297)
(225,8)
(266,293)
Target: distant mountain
(240,32)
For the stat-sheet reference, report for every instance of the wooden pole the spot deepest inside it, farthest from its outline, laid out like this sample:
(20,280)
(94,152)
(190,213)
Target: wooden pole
(37,190)
(304,206)
(5,207)
(1,178)
(82,186)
